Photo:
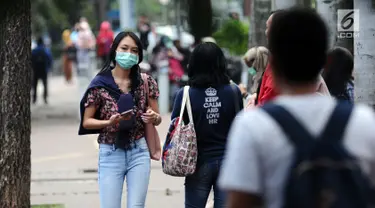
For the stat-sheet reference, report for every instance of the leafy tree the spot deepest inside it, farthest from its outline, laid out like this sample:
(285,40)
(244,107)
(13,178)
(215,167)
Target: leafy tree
(233,35)
(57,15)
(150,8)
(15,47)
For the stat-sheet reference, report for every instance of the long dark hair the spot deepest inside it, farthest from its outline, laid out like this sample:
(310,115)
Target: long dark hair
(207,66)
(338,70)
(135,70)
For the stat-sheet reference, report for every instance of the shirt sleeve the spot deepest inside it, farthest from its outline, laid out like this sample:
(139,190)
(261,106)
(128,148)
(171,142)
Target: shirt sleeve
(153,87)
(241,169)
(268,95)
(93,98)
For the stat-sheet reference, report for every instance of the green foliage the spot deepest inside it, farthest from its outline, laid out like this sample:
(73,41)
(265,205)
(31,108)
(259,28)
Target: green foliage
(234,36)
(59,14)
(151,8)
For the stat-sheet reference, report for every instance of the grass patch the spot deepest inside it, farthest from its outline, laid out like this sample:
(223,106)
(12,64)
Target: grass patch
(48,206)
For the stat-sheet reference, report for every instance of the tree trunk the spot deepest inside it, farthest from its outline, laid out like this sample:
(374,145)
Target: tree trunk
(15,70)
(260,11)
(364,53)
(200,19)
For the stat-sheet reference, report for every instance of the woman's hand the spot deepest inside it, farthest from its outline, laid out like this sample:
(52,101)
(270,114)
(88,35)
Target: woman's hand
(251,102)
(242,88)
(115,119)
(150,116)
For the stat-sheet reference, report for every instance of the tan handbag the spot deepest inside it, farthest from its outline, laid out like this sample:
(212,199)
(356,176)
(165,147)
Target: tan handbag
(151,134)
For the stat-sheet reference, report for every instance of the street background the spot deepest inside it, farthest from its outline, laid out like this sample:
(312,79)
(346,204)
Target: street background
(64,165)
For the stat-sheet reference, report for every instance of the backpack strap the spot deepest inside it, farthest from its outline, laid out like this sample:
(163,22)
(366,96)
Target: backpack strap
(296,133)
(337,123)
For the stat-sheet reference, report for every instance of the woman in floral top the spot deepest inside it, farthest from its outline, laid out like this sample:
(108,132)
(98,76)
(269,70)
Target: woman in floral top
(338,74)
(119,88)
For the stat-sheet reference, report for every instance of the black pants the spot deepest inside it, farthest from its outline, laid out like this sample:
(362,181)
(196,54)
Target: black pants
(36,77)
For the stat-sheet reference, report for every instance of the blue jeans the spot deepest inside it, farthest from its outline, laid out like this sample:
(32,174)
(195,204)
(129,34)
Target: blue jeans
(114,165)
(198,186)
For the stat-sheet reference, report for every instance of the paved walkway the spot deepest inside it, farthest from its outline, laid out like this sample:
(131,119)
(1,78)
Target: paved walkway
(64,164)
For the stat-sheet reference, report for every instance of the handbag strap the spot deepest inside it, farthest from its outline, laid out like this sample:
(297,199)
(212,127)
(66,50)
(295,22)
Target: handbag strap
(186,102)
(145,83)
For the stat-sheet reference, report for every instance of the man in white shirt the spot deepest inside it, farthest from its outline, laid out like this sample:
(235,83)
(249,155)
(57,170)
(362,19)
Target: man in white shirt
(259,154)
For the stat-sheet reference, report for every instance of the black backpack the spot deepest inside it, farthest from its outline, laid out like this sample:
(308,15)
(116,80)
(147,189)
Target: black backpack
(323,173)
(39,59)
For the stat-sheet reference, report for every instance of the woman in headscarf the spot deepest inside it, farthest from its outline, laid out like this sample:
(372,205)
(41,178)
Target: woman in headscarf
(256,59)
(104,41)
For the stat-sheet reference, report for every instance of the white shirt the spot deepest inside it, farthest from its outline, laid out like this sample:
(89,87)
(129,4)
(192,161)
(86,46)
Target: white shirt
(259,154)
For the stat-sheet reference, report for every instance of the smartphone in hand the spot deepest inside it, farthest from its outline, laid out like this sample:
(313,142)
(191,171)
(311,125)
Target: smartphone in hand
(127,113)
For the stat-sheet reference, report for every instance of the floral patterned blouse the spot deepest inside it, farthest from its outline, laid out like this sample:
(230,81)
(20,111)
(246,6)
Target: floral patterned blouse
(108,107)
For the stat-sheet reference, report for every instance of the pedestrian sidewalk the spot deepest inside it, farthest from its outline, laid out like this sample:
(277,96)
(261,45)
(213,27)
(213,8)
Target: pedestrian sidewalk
(64,165)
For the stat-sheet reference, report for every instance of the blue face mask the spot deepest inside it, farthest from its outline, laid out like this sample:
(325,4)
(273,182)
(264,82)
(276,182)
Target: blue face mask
(252,71)
(126,60)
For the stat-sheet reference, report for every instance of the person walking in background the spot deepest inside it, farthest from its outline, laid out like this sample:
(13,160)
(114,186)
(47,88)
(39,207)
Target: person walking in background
(85,45)
(213,101)
(338,74)
(69,55)
(117,106)
(159,56)
(144,28)
(104,41)
(41,60)
(74,34)
(184,52)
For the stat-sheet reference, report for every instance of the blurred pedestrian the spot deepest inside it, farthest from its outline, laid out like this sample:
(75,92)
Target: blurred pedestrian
(144,28)
(184,52)
(104,41)
(117,106)
(69,55)
(41,60)
(85,47)
(159,56)
(74,34)
(338,74)
(256,59)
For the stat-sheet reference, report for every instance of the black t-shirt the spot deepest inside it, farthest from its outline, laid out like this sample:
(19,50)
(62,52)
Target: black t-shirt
(213,112)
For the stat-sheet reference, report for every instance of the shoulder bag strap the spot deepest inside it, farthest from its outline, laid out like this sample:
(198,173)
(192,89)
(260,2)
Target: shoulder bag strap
(145,84)
(188,106)
(183,103)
